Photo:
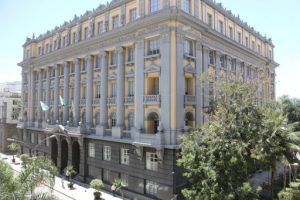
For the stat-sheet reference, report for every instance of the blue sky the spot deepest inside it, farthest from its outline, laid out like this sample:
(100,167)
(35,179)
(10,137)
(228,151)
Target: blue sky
(277,19)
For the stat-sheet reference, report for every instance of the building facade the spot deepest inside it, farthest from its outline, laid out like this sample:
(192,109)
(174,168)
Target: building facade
(130,72)
(10,111)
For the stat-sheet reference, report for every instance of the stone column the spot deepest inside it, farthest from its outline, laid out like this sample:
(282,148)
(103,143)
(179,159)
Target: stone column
(31,95)
(103,106)
(219,68)
(23,95)
(117,130)
(139,86)
(76,93)
(47,92)
(196,8)
(40,87)
(66,93)
(165,79)
(180,91)
(205,83)
(56,88)
(198,84)
(89,90)
(141,10)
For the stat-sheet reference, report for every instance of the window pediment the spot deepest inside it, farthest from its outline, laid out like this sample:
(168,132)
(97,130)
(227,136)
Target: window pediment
(152,68)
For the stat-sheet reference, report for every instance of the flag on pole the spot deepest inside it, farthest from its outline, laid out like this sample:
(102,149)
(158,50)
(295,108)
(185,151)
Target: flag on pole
(62,101)
(44,106)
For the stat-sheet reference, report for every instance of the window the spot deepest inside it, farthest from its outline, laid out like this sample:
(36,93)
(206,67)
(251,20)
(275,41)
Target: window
(113,119)
(186,6)
(247,42)
(230,32)
(131,120)
(130,54)
(47,48)
(211,57)
(32,137)
(154,5)
(188,48)
(124,178)
(115,21)
(107,153)
(209,20)
(113,89)
(91,150)
(73,37)
(64,41)
(239,37)
(113,58)
(98,89)
(40,51)
(83,92)
(151,187)
(100,27)
(233,65)
(253,45)
(131,88)
(248,71)
(222,61)
(83,64)
(54,44)
(106,175)
(85,33)
(258,48)
(220,26)
(132,14)
(153,47)
(124,156)
(151,161)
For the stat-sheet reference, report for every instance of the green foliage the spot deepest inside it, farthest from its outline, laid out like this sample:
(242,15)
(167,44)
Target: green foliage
(118,184)
(295,185)
(25,159)
(290,107)
(13,147)
(96,184)
(16,187)
(289,194)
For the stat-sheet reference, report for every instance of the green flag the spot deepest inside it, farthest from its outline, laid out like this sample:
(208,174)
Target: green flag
(62,101)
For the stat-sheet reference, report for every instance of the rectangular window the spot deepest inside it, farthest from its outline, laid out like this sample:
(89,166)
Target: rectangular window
(151,161)
(73,37)
(106,175)
(230,32)
(239,37)
(113,58)
(32,137)
(247,42)
(154,5)
(40,51)
(64,41)
(186,6)
(209,20)
(98,89)
(83,92)
(233,65)
(85,33)
(130,54)
(100,27)
(83,64)
(132,14)
(107,153)
(124,178)
(211,57)
(222,61)
(113,89)
(258,48)
(124,156)
(91,150)
(115,21)
(253,45)
(248,71)
(153,47)
(131,88)
(131,120)
(220,26)
(188,48)
(151,187)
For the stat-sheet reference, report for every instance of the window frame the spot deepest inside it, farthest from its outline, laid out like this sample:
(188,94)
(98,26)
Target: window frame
(107,153)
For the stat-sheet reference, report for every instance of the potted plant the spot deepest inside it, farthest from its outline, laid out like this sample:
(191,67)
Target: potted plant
(118,183)
(13,147)
(96,184)
(69,174)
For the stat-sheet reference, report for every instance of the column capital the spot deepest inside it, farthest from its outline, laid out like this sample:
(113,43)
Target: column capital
(119,49)
(76,61)
(88,58)
(103,53)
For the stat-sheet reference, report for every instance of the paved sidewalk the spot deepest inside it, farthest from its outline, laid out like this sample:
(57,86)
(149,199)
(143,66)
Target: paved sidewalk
(81,191)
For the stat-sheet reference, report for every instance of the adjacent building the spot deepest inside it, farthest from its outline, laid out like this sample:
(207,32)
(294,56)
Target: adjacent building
(129,73)
(10,111)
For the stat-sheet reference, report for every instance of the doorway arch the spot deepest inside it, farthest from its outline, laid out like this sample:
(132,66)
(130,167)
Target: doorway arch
(54,152)
(64,154)
(76,156)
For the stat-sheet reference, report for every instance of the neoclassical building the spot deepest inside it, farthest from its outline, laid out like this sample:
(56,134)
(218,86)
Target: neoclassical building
(129,72)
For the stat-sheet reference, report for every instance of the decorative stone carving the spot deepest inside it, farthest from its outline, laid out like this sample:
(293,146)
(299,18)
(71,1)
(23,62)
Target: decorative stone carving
(152,68)
(112,76)
(189,69)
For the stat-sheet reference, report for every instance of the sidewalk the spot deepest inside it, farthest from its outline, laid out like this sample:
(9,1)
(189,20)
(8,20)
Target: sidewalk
(81,191)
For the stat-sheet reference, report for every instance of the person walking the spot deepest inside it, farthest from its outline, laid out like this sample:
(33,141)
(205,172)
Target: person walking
(62,178)
(113,189)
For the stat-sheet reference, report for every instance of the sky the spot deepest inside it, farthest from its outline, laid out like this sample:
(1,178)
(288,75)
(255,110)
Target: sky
(277,19)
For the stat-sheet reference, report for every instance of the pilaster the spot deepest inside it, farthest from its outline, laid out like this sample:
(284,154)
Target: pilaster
(76,98)
(66,93)
(47,92)
(199,94)
(103,88)
(120,87)
(89,91)
(56,88)
(40,87)
(205,83)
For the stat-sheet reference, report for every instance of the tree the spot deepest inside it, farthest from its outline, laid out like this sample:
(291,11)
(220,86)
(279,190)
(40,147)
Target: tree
(218,157)
(19,186)
(69,173)
(290,107)
(119,185)
(13,147)
(96,184)
(278,141)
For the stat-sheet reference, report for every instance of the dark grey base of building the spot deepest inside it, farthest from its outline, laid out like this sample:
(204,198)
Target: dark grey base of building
(163,183)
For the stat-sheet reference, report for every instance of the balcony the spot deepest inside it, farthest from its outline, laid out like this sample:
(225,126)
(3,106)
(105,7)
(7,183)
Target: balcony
(107,133)
(151,99)
(111,101)
(189,99)
(126,134)
(129,100)
(82,102)
(96,101)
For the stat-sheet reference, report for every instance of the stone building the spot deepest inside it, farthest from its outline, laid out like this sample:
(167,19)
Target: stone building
(129,72)
(10,111)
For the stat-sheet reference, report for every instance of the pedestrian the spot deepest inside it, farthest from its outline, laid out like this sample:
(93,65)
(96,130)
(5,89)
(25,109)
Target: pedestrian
(62,179)
(113,189)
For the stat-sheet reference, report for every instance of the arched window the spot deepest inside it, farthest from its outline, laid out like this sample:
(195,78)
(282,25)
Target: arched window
(130,120)
(113,119)
(153,122)
(189,118)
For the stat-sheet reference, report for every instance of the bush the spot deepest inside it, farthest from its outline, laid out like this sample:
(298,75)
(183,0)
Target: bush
(289,194)
(295,185)
(96,184)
